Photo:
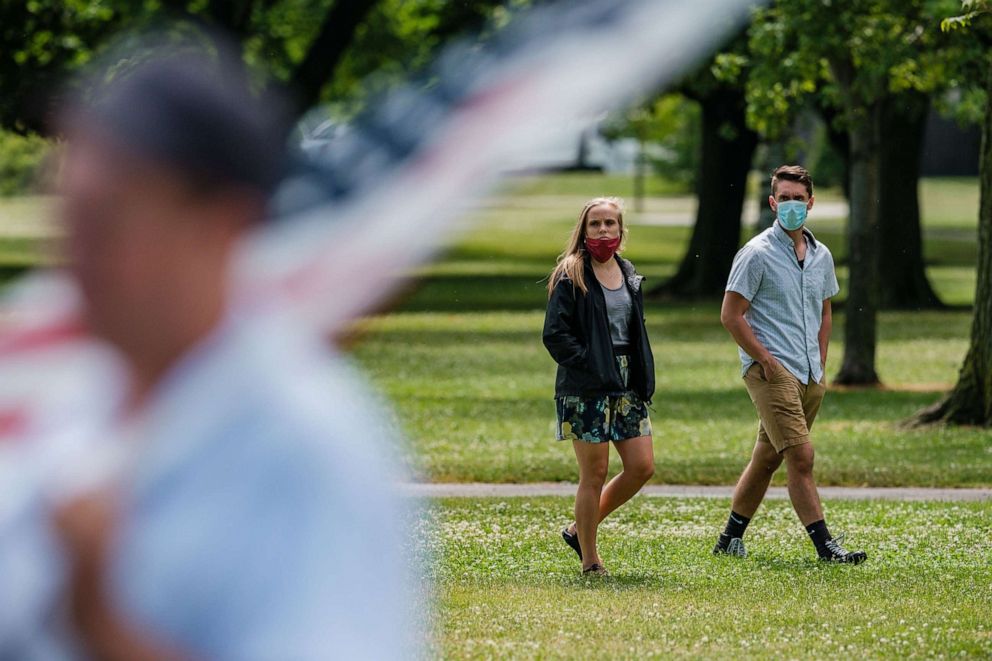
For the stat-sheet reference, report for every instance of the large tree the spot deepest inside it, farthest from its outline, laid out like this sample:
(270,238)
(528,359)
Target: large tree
(44,41)
(727,148)
(861,54)
(903,282)
(322,49)
(729,139)
(970,402)
(39,42)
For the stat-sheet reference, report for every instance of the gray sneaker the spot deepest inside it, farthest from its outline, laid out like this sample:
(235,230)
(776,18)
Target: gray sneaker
(734,547)
(835,552)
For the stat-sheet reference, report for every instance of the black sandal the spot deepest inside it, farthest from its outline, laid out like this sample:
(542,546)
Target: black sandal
(595,569)
(572,539)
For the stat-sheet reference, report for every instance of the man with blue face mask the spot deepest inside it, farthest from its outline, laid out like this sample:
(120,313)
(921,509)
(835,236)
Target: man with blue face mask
(777,308)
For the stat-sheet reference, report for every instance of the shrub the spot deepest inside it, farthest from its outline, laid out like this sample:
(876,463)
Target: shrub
(22,162)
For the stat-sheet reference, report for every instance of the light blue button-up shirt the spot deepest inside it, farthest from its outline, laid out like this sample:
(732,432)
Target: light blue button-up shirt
(260,520)
(786,299)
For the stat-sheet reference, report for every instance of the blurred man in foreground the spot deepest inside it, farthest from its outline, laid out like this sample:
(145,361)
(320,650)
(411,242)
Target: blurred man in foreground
(252,517)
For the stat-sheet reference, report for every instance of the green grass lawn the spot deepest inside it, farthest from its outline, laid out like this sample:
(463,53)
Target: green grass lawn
(472,385)
(508,587)
(462,360)
(474,393)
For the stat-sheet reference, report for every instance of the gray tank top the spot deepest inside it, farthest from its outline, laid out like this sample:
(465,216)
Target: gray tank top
(618,308)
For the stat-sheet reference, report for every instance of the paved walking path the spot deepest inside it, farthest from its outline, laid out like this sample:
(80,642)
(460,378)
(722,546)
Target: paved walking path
(483,490)
(669,210)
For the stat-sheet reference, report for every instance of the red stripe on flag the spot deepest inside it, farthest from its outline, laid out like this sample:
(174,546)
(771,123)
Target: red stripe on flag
(13,422)
(43,337)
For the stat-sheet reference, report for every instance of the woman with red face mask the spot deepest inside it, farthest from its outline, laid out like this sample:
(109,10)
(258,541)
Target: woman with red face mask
(594,329)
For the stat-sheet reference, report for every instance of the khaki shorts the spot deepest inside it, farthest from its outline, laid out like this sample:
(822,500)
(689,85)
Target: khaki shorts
(786,406)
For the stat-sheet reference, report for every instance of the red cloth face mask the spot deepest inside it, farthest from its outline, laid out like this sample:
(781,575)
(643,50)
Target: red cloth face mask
(602,249)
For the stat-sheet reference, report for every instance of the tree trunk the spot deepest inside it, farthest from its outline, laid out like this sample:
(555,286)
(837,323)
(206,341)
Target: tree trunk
(774,157)
(904,284)
(839,142)
(640,165)
(970,403)
(858,367)
(336,33)
(234,15)
(727,148)
(582,163)
(582,158)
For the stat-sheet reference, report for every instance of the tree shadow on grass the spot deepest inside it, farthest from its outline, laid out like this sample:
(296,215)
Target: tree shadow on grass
(875,405)
(449,339)
(9,272)
(767,561)
(474,293)
(690,405)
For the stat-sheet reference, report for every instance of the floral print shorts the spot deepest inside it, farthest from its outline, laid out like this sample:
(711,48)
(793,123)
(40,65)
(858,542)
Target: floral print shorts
(603,419)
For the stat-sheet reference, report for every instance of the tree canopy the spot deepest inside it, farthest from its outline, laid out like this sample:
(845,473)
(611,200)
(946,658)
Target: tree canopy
(323,49)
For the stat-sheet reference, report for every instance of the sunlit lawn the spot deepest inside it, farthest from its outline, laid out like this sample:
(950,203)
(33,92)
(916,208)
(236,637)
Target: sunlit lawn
(471,384)
(463,363)
(508,587)
(473,391)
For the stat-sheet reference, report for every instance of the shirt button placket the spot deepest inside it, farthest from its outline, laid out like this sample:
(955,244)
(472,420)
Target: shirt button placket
(802,300)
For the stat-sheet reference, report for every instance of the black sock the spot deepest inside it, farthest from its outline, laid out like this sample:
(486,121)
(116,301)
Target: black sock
(736,525)
(820,535)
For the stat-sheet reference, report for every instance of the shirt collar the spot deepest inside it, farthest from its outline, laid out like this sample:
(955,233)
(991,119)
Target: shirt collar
(782,236)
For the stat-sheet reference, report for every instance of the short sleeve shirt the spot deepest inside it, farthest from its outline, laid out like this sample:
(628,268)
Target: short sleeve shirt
(786,298)
(260,520)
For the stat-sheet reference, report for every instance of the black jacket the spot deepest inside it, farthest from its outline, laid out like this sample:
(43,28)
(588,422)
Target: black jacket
(577,335)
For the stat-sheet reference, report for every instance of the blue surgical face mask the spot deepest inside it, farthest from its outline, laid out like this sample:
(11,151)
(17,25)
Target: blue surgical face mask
(792,214)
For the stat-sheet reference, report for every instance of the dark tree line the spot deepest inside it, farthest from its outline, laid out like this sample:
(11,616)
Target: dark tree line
(875,105)
(970,402)
(310,46)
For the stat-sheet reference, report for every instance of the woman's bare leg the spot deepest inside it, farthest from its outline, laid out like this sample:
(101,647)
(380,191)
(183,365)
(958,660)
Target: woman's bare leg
(594,459)
(637,455)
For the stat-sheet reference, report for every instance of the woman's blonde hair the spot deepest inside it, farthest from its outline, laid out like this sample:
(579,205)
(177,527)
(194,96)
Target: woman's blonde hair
(571,263)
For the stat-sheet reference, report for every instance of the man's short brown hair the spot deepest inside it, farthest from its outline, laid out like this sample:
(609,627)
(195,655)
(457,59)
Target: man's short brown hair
(793,173)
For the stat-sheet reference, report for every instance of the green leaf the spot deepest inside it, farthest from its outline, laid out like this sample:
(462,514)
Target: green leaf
(958,22)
